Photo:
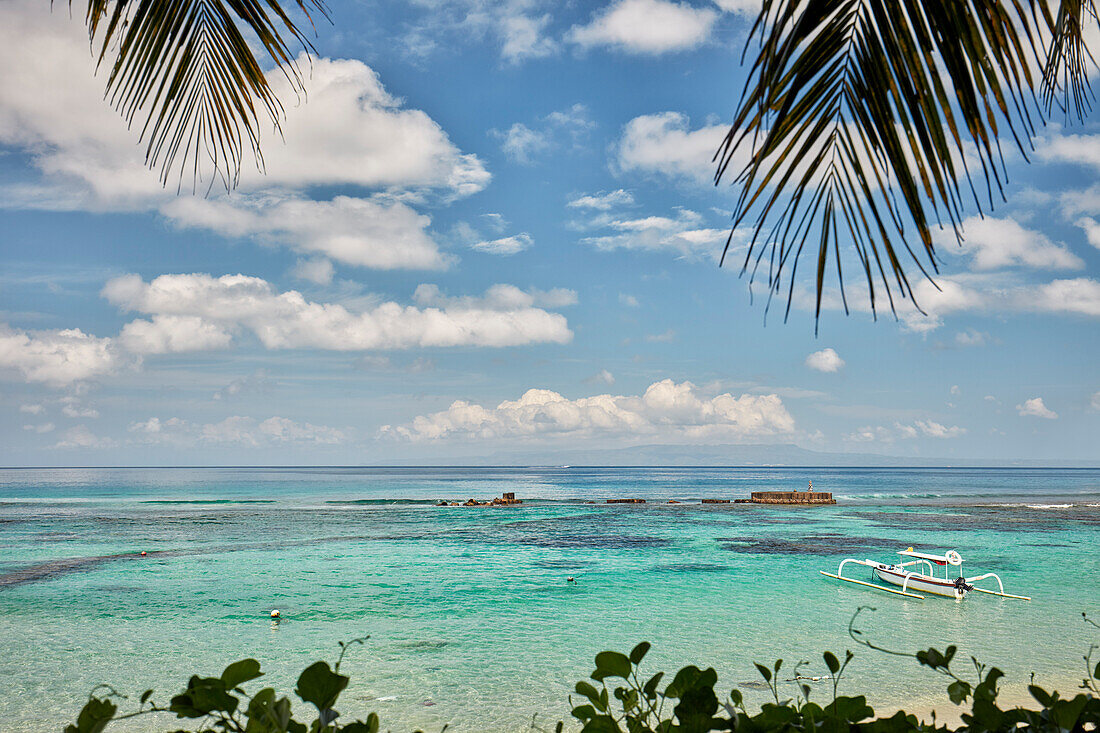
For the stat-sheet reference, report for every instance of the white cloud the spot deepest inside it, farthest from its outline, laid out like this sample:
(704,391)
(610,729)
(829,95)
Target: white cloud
(665,144)
(996,293)
(934,429)
(902,431)
(740,7)
(348,131)
(666,409)
(168,334)
(40,429)
(1075,149)
(1034,407)
(378,233)
(1080,295)
(317,270)
(684,235)
(628,300)
(659,338)
(59,357)
(564,128)
(1091,228)
(646,26)
(519,27)
(235,430)
(257,382)
(523,37)
(826,360)
(505,245)
(32,409)
(198,312)
(955,389)
(602,377)
(497,297)
(1094,401)
(72,409)
(81,437)
(999,243)
(603,201)
(971,337)
(506,316)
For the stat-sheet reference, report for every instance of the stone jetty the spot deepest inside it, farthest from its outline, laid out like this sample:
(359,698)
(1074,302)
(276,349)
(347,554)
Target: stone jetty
(790,497)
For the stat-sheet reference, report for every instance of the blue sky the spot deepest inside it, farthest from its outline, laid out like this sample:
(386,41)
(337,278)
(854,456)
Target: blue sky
(491,227)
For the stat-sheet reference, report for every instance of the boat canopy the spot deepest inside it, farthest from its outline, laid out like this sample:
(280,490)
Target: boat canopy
(938,559)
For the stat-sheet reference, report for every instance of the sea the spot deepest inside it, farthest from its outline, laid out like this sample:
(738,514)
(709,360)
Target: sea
(473,621)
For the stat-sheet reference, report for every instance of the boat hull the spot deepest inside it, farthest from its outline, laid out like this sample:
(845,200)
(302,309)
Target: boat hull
(918,583)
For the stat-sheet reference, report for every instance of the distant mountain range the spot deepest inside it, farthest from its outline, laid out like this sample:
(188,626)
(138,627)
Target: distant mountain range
(783,454)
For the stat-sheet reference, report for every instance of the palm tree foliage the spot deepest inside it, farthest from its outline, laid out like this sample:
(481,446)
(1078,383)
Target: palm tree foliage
(877,118)
(188,67)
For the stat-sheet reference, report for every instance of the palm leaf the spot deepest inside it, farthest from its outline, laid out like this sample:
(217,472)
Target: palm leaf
(187,67)
(872,118)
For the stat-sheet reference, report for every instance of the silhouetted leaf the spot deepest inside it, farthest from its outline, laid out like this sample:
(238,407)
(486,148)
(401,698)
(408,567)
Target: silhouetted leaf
(240,672)
(319,685)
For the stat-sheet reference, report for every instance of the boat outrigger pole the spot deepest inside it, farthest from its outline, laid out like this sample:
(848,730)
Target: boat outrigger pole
(922,577)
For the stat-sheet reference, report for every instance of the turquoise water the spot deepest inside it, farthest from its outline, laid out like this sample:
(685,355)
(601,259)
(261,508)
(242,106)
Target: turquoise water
(472,621)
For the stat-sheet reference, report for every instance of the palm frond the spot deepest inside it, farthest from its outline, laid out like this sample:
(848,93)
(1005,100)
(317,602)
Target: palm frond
(187,67)
(875,118)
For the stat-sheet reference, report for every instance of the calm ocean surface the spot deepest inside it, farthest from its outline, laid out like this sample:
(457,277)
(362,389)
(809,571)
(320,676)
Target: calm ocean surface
(472,622)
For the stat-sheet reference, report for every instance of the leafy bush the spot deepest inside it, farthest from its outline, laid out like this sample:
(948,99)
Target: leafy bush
(618,698)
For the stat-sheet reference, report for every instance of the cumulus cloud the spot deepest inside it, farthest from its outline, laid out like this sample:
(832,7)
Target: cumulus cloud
(1094,401)
(665,144)
(351,132)
(40,429)
(646,27)
(34,409)
(999,243)
(1080,295)
(1075,149)
(666,409)
(1034,407)
(199,312)
(972,292)
(505,316)
(378,233)
(57,357)
(168,334)
(235,430)
(826,360)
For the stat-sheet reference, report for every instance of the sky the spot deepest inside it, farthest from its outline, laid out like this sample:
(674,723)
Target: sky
(491,226)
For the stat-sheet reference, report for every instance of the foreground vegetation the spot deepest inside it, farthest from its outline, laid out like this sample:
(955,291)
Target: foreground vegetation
(618,698)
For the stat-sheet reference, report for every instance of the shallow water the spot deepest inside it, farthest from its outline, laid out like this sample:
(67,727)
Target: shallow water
(472,621)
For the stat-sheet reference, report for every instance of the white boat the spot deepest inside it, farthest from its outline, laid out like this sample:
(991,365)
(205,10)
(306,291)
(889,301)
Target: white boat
(909,576)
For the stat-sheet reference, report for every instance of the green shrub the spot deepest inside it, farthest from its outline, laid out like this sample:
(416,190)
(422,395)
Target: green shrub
(619,698)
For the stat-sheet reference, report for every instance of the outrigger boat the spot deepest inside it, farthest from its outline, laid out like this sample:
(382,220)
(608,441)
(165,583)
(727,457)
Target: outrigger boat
(907,576)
